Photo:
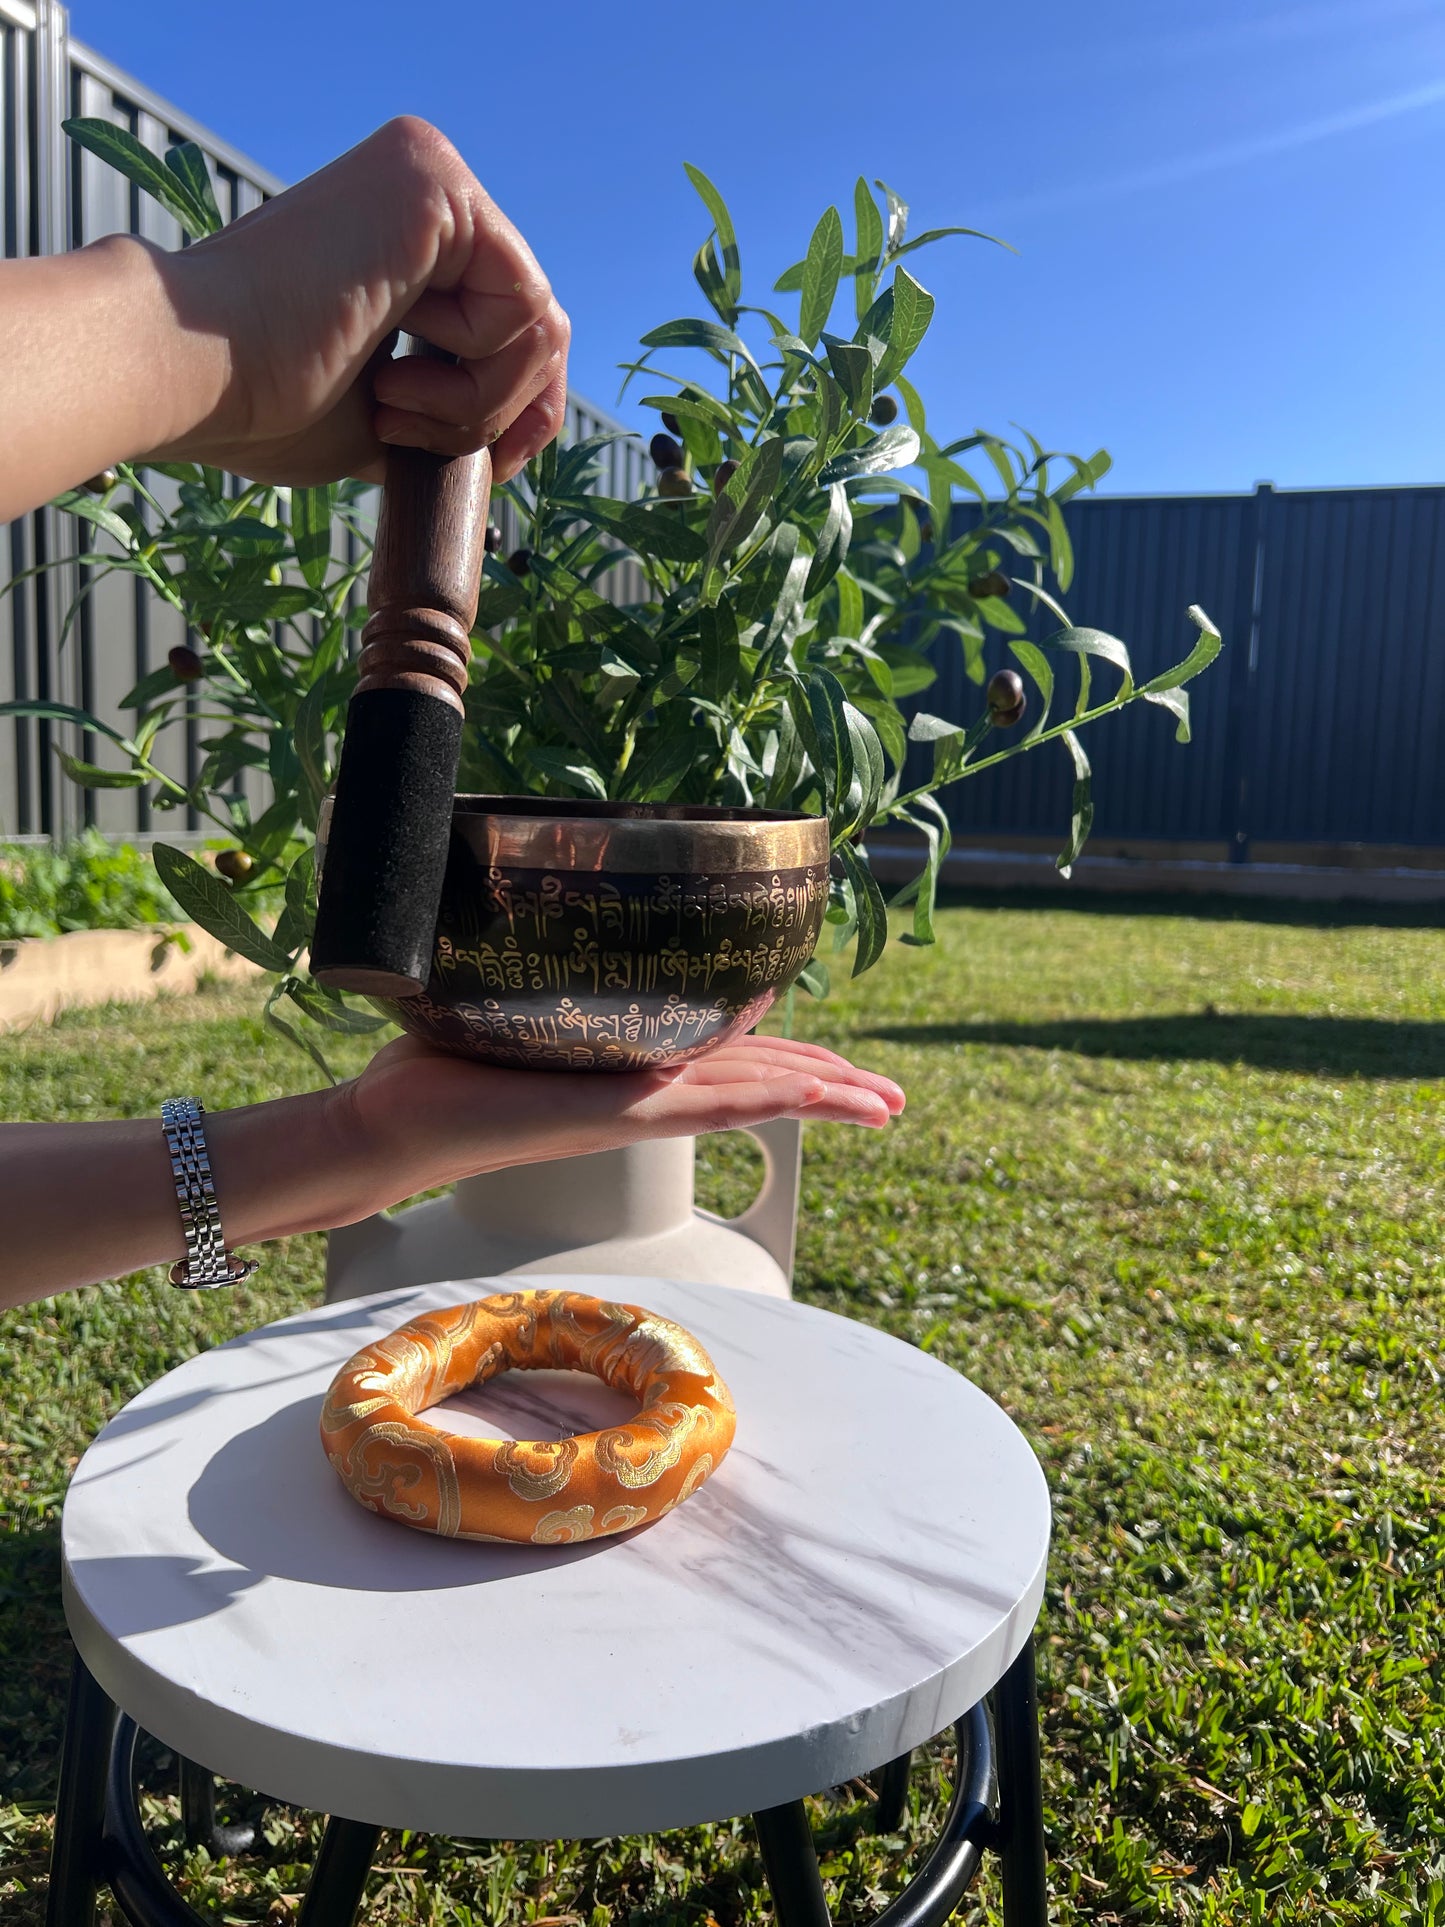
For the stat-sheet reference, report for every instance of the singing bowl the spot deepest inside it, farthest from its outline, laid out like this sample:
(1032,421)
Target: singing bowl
(588,936)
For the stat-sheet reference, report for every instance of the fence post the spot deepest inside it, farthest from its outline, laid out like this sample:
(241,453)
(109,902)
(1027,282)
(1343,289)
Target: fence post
(1243,659)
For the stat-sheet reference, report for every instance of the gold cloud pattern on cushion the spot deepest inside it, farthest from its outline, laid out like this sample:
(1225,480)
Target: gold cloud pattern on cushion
(536,1492)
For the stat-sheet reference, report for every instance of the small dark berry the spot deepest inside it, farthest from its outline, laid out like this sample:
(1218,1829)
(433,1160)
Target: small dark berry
(494,538)
(520,561)
(994,583)
(883,411)
(186,665)
(672,424)
(722,475)
(674,482)
(101,484)
(1006,698)
(665,452)
(234,865)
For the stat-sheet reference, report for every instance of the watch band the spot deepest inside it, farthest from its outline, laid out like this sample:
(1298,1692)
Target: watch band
(207,1263)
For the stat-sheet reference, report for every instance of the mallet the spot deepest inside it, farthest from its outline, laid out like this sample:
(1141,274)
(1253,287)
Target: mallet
(386,852)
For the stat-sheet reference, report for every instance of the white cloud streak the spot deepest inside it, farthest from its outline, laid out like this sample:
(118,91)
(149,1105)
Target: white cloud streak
(1241,153)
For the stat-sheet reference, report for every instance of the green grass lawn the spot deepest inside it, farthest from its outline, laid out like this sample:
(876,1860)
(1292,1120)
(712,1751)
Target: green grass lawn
(1170,1189)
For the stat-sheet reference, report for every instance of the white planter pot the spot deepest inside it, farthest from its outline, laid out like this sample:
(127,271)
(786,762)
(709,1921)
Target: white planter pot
(630,1211)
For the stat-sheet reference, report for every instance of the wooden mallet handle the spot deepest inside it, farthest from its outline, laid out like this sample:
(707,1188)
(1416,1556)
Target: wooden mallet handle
(386,851)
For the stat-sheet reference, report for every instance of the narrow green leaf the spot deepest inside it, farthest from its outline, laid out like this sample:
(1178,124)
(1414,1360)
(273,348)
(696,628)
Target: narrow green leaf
(328,1010)
(894,447)
(869,909)
(90,776)
(831,550)
(853,366)
(868,224)
(850,605)
(825,735)
(822,271)
(293,926)
(231,602)
(718,641)
(1176,701)
(941,233)
(311,531)
(736,511)
(85,508)
(1036,663)
(813,978)
(1095,642)
(732,278)
(186,161)
(298,1038)
(309,730)
(912,312)
(208,902)
(695,332)
(39,706)
(120,149)
(151,688)
(666,757)
(1082,807)
(566,767)
(1199,658)
(897,217)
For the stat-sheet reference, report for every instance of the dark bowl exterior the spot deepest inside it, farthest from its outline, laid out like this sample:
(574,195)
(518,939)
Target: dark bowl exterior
(601,936)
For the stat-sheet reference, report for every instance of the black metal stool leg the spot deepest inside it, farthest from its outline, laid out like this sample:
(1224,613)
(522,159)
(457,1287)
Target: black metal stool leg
(892,1794)
(338,1879)
(77,1857)
(1020,1794)
(198,1816)
(791,1863)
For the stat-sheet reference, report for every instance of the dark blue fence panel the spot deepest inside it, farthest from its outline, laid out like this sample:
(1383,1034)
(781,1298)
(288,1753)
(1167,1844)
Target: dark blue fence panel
(1349,689)
(1319,722)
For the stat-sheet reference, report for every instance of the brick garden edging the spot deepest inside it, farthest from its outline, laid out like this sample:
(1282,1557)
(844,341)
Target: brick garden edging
(41,976)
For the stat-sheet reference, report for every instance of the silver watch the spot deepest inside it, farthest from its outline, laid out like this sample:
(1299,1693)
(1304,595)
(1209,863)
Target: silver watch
(207,1263)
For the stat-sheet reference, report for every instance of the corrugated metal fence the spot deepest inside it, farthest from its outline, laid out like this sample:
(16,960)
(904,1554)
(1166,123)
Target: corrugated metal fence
(54,196)
(1318,725)
(1320,722)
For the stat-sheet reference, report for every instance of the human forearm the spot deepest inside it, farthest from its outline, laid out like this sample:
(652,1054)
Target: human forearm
(84,1202)
(96,366)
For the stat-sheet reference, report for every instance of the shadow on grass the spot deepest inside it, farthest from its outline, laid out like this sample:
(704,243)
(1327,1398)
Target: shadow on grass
(1210,909)
(1326,1046)
(34,1663)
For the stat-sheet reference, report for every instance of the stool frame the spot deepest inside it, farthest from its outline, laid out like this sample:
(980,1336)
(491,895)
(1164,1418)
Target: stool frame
(997,1805)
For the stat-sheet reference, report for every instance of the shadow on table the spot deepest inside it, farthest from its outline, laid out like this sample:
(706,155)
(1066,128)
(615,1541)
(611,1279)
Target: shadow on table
(1325,1046)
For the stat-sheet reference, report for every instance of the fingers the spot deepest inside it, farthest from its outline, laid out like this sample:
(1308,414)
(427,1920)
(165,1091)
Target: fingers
(530,433)
(482,396)
(754,1057)
(720,1104)
(482,285)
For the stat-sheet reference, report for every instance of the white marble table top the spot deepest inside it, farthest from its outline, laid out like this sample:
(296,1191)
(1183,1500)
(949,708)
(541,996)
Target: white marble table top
(865,1564)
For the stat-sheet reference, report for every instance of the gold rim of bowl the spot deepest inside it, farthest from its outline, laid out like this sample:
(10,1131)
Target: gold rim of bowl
(536,833)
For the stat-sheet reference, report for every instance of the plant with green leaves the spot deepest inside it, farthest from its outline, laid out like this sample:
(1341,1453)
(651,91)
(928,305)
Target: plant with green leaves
(802,560)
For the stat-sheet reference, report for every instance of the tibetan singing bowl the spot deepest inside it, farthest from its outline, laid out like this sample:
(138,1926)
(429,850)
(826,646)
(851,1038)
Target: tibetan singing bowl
(609,936)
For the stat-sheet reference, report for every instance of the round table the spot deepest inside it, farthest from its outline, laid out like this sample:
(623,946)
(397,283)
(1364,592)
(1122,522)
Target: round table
(864,1569)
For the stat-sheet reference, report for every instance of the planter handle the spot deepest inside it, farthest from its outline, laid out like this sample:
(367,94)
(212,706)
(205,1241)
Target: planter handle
(390,824)
(771,1220)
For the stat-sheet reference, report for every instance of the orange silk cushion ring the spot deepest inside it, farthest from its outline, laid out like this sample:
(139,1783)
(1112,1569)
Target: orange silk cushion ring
(550,1491)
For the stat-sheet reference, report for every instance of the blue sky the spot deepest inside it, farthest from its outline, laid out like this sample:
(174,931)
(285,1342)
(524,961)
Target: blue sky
(1230,260)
